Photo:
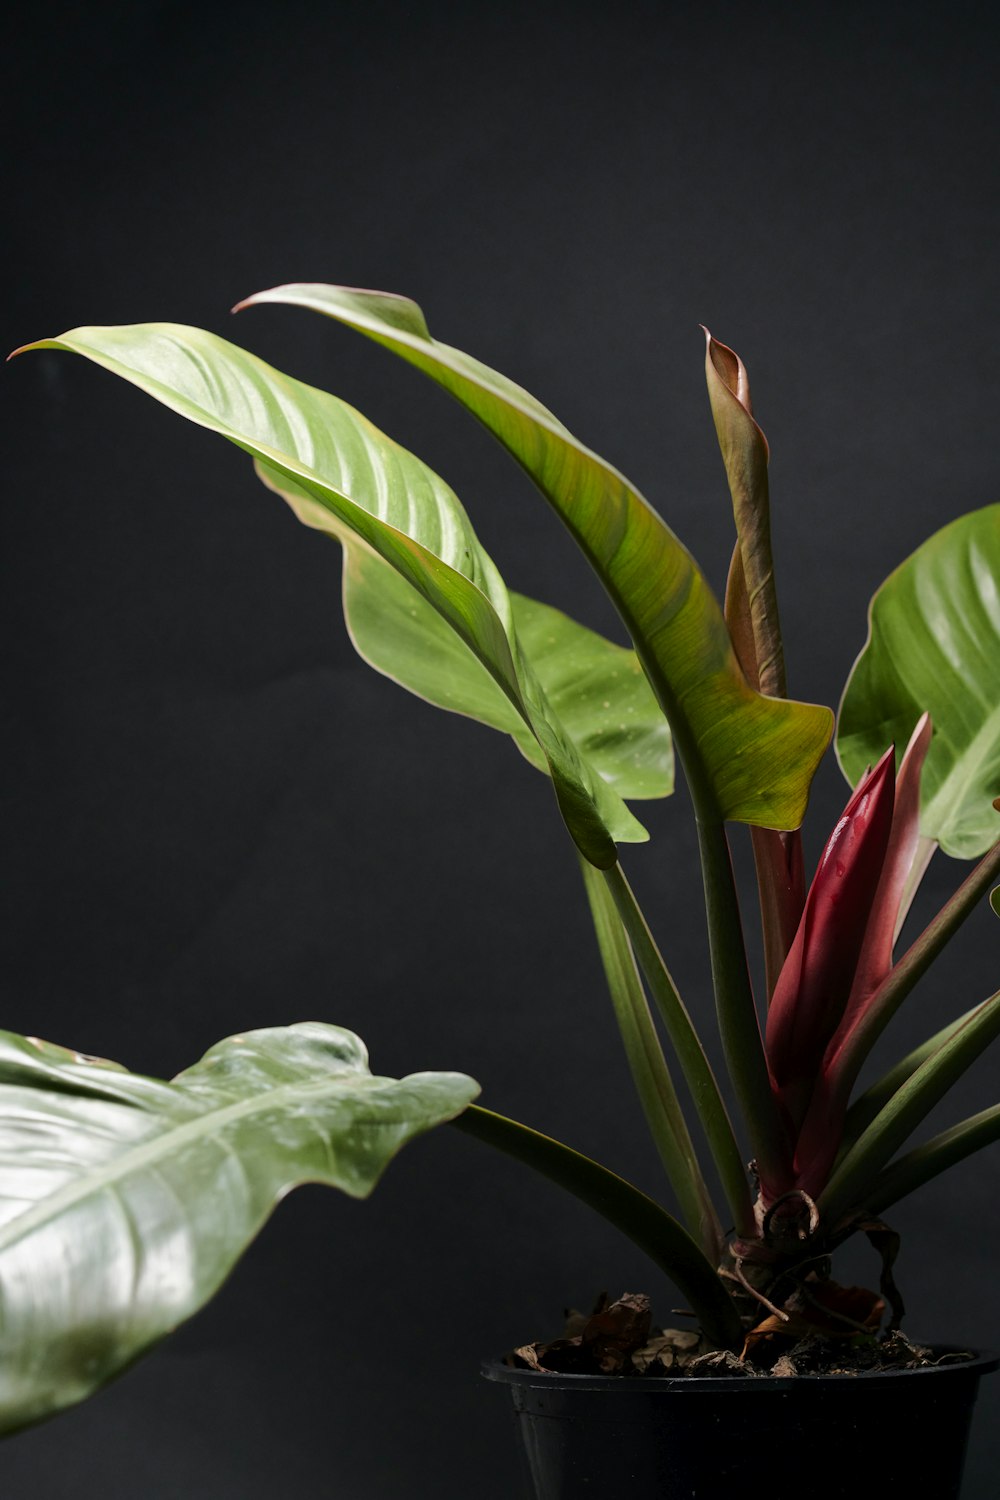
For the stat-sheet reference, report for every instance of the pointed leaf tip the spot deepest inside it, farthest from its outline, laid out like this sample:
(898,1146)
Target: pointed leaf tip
(375,308)
(874,776)
(731,370)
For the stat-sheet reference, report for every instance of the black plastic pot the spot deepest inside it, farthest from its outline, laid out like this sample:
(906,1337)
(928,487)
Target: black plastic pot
(821,1436)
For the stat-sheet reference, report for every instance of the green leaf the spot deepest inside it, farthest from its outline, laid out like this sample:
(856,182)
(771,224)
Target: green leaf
(597,689)
(602,698)
(874,1099)
(647,1225)
(933,644)
(127,1201)
(353,480)
(686,1043)
(937,1155)
(908,1106)
(649,1069)
(747,757)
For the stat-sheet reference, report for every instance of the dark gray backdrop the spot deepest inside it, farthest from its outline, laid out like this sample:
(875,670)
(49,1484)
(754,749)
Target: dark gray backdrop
(216,817)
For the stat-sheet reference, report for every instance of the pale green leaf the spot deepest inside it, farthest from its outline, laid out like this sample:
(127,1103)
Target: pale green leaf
(934,645)
(127,1201)
(747,757)
(602,698)
(348,477)
(596,689)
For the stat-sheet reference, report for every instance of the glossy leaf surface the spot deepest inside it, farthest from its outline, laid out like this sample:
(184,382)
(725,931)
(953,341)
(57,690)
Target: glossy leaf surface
(934,645)
(596,688)
(127,1201)
(748,757)
(361,483)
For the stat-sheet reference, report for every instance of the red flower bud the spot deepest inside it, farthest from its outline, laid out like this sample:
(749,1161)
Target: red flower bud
(815,983)
(820,1133)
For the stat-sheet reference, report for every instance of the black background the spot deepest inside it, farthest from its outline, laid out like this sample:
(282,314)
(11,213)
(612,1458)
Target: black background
(215,817)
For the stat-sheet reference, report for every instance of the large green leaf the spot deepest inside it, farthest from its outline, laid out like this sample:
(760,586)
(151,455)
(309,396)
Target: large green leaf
(126,1201)
(384,498)
(747,757)
(597,689)
(934,645)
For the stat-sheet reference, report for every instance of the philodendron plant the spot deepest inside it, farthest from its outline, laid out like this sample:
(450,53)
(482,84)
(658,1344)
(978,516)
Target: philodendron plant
(126,1200)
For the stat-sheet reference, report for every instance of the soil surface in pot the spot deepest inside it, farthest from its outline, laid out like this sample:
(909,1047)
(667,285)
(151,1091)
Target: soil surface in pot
(618,1338)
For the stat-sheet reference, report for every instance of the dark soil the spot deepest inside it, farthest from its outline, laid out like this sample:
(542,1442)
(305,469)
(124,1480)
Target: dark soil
(618,1338)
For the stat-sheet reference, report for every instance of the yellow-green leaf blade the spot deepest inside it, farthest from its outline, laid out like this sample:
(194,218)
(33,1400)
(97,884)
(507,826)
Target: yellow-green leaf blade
(596,689)
(748,758)
(602,698)
(347,476)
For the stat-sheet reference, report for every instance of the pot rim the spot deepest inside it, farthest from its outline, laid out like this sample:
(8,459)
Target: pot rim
(983,1362)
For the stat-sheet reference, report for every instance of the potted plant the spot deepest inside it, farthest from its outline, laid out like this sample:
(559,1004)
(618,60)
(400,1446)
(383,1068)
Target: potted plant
(128,1200)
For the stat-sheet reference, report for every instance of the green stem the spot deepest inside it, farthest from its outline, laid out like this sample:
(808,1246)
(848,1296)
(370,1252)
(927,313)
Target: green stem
(690,1054)
(851,1180)
(645,1223)
(739,1026)
(648,1065)
(936,1155)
